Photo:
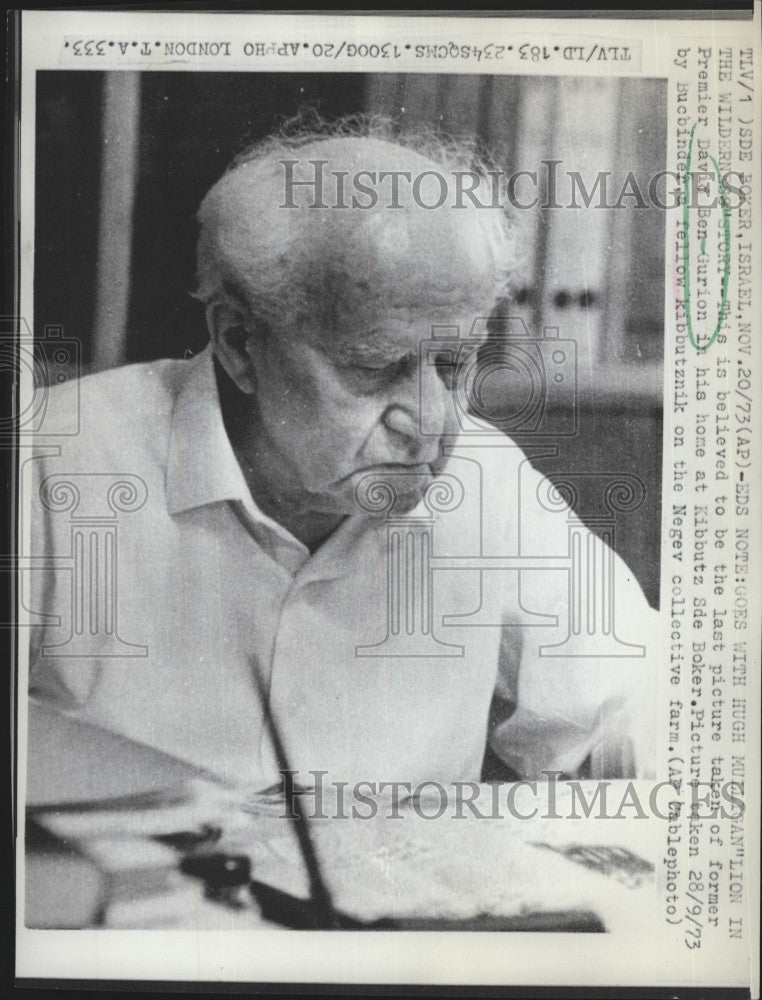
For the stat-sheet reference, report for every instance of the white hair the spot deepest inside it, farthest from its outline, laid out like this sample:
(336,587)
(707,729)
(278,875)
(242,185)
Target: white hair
(247,249)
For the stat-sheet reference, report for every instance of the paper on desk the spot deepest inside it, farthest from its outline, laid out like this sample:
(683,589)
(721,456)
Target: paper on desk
(417,867)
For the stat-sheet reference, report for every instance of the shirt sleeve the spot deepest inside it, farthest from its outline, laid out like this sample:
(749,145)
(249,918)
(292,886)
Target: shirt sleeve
(577,659)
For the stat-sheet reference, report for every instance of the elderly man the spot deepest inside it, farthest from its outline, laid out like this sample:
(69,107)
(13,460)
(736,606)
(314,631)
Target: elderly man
(306,532)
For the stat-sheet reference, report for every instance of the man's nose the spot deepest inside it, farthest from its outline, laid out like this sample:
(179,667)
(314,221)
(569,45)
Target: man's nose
(416,417)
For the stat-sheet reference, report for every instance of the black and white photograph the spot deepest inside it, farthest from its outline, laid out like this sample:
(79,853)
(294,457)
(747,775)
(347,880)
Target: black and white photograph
(344,566)
(364,493)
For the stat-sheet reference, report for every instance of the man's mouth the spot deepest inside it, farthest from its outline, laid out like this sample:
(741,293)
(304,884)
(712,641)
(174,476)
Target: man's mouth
(391,487)
(397,468)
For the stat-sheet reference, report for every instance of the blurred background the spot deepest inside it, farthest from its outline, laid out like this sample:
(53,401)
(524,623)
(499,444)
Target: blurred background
(123,160)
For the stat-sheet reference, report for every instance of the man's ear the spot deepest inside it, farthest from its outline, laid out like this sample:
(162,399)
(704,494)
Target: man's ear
(232,330)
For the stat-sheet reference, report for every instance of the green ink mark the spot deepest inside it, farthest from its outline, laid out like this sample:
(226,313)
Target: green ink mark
(702,245)
(687,250)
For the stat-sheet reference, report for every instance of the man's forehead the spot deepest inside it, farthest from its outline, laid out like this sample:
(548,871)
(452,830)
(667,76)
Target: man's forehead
(395,268)
(388,334)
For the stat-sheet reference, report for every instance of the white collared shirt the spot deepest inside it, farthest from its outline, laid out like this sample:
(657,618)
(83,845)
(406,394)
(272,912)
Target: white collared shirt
(175,606)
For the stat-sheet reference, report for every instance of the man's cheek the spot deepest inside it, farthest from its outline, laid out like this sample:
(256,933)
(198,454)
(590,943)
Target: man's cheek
(349,412)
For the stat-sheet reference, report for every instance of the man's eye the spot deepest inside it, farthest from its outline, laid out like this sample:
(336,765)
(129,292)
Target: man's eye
(382,373)
(454,366)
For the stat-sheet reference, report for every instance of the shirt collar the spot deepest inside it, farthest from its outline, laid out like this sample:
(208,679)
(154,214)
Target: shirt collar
(202,467)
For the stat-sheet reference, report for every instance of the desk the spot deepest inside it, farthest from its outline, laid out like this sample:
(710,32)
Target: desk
(402,862)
